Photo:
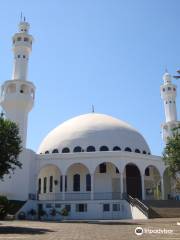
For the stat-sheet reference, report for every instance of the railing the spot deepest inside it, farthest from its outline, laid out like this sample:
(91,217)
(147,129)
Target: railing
(80,196)
(136,202)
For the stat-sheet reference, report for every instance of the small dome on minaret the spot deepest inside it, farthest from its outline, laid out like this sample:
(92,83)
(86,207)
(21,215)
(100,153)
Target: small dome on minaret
(167,78)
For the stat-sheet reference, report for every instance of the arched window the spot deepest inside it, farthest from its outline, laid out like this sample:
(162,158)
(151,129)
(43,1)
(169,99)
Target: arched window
(91,149)
(65,150)
(117,170)
(116,148)
(46,152)
(88,182)
(127,149)
(137,150)
(55,150)
(104,148)
(147,172)
(77,149)
(39,185)
(76,183)
(102,168)
(144,152)
(51,184)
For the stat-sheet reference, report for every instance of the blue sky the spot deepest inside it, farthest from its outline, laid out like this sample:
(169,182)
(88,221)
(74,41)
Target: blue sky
(110,53)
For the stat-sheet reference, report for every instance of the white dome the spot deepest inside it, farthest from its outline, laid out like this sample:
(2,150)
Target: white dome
(96,130)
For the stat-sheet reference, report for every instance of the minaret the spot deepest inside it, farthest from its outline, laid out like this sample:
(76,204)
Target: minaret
(168,94)
(17,95)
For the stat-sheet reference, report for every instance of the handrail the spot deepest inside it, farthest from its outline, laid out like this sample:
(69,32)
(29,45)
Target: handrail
(136,202)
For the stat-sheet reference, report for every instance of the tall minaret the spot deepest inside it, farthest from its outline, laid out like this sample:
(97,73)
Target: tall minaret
(168,94)
(17,95)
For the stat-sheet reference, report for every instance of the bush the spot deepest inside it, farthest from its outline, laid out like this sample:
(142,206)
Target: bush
(64,212)
(4,207)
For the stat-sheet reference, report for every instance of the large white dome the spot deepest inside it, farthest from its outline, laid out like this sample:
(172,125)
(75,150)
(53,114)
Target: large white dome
(96,130)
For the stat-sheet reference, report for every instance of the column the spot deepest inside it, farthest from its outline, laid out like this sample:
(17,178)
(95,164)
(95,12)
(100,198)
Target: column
(162,188)
(142,184)
(63,187)
(121,185)
(92,186)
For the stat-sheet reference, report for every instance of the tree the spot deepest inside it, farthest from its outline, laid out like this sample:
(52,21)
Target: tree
(171,154)
(10,147)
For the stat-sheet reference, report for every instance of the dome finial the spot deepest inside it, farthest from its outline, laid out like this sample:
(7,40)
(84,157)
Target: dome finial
(92,108)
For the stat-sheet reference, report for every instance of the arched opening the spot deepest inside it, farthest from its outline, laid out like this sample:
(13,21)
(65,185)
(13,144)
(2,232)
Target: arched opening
(116,148)
(91,149)
(152,183)
(137,150)
(133,181)
(65,150)
(77,182)
(104,148)
(46,152)
(107,183)
(77,149)
(48,182)
(55,150)
(144,152)
(127,149)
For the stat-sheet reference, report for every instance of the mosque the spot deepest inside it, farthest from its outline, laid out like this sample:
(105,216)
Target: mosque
(89,164)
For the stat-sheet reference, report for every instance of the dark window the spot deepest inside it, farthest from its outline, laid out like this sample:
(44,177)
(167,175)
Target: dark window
(26,39)
(48,205)
(61,183)
(149,153)
(137,151)
(117,170)
(174,89)
(21,91)
(127,149)
(51,184)
(77,149)
(169,88)
(39,185)
(68,207)
(19,56)
(106,207)
(24,56)
(65,183)
(169,101)
(81,207)
(91,149)
(166,102)
(46,152)
(76,183)
(19,39)
(144,152)
(104,148)
(88,182)
(55,150)
(116,148)
(45,185)
(102,168)
(116,207)
(163,89)
(65,150)
(57,205)
(147,172)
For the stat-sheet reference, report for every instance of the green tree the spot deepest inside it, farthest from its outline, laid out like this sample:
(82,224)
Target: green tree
(171,154)
(10,147)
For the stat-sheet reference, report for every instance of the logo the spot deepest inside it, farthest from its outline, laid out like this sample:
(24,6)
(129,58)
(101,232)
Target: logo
(139,231)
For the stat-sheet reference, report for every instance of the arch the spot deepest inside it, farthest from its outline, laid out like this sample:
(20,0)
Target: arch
(91,149)
(152,183)
(137,150)
(104,148)
(65,150)
(47,152)
(116,148)
(77,149)
(107,180)
(76,177)
(55,150)
(133,181)
(127,149)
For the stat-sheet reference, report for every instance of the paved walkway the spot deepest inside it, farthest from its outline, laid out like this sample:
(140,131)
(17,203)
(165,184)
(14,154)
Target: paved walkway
(102,230)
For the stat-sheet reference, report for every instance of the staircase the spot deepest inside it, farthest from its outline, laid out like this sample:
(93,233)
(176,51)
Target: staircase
(163,208)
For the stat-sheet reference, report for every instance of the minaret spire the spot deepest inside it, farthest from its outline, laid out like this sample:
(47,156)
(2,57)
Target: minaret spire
(17,96)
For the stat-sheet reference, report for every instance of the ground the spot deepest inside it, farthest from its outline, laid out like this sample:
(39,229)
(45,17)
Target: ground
(95,230)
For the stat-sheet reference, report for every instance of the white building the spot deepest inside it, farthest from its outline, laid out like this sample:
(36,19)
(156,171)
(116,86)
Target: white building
(88,164)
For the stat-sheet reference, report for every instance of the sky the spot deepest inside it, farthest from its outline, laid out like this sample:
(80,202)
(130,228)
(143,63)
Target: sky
(109,53)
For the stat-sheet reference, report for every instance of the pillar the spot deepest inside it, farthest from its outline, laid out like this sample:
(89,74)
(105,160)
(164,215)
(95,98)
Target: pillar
(63,187)
(92,186)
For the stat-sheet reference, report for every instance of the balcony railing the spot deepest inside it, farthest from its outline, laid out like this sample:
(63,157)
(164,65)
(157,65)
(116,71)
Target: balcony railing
(79,196)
